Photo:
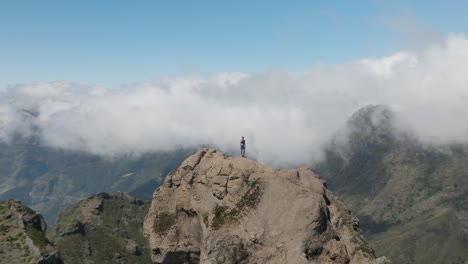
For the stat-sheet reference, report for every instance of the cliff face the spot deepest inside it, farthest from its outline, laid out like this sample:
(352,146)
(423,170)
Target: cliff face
(22,236)
(216,209)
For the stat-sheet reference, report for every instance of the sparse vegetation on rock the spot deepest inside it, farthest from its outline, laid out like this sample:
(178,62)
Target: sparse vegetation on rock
(217,209)
(22,236)
(103,229)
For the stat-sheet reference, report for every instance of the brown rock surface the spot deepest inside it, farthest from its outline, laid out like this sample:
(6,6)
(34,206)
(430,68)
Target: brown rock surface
(217,209)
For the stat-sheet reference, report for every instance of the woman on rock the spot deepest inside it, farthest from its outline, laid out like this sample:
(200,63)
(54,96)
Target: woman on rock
(242,146)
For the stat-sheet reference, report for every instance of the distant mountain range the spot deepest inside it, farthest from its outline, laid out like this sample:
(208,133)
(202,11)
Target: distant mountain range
(411,199)
(48,180)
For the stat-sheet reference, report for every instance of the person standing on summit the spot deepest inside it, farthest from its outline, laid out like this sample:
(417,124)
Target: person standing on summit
(242,146)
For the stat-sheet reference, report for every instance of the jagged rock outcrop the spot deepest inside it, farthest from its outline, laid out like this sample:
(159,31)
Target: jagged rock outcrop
(217,209)
(103,229)
(22,236)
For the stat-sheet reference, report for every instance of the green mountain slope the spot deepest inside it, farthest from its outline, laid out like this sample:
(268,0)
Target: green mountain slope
(412,200)
(100,229)
(103,229)
(48,180)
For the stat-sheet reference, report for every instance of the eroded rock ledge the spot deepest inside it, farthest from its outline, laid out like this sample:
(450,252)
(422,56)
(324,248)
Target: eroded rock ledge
(217,209)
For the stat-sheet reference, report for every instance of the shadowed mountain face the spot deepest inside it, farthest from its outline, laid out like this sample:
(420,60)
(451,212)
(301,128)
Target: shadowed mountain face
(48,180)
(412,199)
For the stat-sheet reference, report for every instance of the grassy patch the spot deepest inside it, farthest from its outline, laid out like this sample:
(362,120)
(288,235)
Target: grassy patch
(220,215)
(37,237)
(3,228)
(163,222)
(249,200)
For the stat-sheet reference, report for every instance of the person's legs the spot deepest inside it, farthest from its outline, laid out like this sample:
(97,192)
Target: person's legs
(242,151)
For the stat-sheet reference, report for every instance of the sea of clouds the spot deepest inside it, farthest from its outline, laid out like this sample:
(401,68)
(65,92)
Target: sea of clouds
(287,118)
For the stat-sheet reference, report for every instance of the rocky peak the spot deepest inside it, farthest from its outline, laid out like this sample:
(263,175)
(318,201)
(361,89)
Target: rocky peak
(22,236)
(372,119)
(218,209)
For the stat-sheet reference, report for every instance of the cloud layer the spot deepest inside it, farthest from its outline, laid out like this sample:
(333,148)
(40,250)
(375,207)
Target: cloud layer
(287,118)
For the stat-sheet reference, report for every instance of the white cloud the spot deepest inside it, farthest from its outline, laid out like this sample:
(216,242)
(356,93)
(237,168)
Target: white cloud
(286,117)
(384,67)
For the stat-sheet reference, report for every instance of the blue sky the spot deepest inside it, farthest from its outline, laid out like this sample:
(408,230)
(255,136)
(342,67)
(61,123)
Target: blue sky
(114,43)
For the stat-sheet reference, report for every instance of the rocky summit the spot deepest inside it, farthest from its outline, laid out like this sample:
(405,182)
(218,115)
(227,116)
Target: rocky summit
(218,209)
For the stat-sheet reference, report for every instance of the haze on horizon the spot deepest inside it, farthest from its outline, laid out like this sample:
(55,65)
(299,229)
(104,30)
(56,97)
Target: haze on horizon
(285,76)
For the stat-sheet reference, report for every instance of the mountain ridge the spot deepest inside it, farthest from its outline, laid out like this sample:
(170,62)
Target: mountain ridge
(410,197)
